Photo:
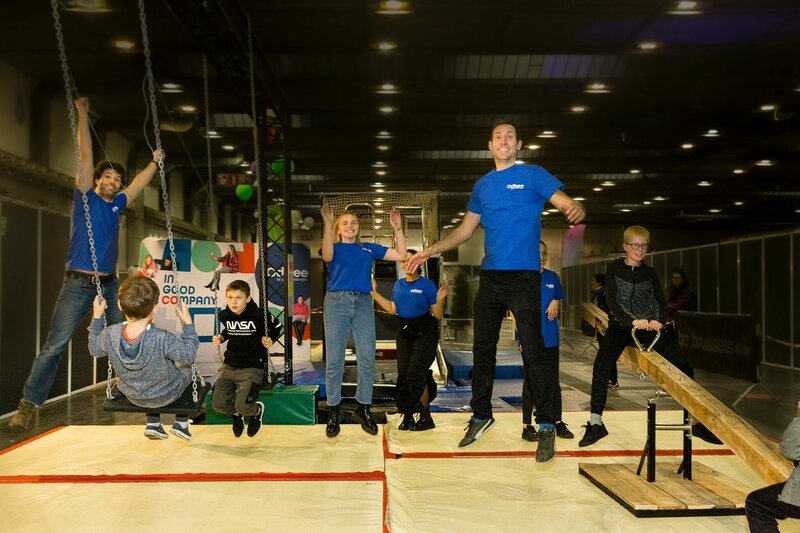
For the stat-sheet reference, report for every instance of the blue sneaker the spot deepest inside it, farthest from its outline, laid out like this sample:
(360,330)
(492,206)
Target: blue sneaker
(180,431)
(155,432)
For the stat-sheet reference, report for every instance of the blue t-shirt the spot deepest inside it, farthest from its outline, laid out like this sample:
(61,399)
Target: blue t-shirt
(351,266)
(551,290)
(510,204)
(105,229)
(413,298)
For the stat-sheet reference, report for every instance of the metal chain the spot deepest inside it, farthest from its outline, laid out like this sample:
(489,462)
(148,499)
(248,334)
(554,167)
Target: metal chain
(73,123)
(261,181)
(211,208)
(151,86)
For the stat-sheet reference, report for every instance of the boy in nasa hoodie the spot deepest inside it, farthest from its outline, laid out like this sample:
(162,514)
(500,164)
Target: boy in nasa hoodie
(239,378)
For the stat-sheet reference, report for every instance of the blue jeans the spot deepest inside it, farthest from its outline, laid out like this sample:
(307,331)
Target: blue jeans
(343,312)
(74,302)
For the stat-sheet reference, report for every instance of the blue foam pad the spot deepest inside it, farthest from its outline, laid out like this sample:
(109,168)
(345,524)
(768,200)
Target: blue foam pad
(308,373)
(459,364)
(456,400)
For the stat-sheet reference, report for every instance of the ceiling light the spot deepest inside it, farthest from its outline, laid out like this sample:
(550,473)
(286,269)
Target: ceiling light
(738,203)
(647,202)
(597,189)
(648,45)
(187,108)
(687,146)
(608,184)
(386,46)
(387,88)
(659,198)
(578,108)
(715,210)
(171,88)
(379,199)
(123,45)
(378,220)
(249,173)
(534,146)
(738,171)
(579,198)
(379,164)
(626,210)
(447,226)
(384,135)
(382,147)
(685,8)
(454,220)
(244,164)
(378,190)
(545,213)
(547,134)
(711,133)
(228,147)
(379,211)
(212,134)
(386,109)
(380,172)
(704,183)
(552,210)
(86,6)
(393,7)
(768,107)
(765,163)
(634,171)
(462,213)
(597,88)
(519,162)
(377,184)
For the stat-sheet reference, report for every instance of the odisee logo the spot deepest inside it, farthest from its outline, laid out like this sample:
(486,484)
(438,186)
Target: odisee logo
(550,286)
(415,291)
(515,186)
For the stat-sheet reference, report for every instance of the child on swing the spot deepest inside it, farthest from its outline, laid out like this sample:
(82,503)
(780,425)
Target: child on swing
(153,365)
(239,377)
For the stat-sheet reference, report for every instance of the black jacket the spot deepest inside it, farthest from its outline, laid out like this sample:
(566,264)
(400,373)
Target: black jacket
(244,332)
(634,293)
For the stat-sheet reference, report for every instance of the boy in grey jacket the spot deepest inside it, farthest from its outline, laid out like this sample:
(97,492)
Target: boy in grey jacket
(145,357)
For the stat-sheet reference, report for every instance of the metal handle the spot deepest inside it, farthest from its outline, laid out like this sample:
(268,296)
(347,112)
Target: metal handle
(639,345)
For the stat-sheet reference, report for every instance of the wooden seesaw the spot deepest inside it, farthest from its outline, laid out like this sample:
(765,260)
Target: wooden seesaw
(694,490)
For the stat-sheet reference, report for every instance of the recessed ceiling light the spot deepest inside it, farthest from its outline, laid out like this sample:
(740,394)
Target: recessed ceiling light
(384,135)
(379,211)
(738,203)
(547,134)
(659,198)
(597,88)
(249,173)
(704,183)
(715,210)
(462,213)
(534,146)
(378,199)
(171,88)
(387,88)
(123,45)
(768,107)
(634,171)
(608,184)
(765,163)
(379,190)
(386,109)
(244,164)
(379,164)
(685,8)
(188,108)
(393,7)
(647,202)
(739,171)
(544,213)
(797,210)
(86,6)
(448,226)
(626,210)
(579,198)
(377,184)
(212,134)
(228,147)
(519,162)
(386,46)
(552,210)
(382,147)
(711,133)
(578,108)
(454,220)
(687,146)
(597,189)
(380,172)
(648,45)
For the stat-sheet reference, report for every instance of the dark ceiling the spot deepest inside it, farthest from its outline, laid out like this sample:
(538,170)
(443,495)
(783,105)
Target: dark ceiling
(458,67)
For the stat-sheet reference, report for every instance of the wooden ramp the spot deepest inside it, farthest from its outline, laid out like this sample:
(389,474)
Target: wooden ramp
(708,492)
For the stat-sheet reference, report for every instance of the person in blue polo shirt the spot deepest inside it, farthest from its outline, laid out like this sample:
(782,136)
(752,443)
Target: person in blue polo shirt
(102,184)
(419,307)
(551,296)
(508,202)
(348,308)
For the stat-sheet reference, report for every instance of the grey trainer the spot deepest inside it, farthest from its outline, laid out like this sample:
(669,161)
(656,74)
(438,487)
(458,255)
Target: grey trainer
(546,450)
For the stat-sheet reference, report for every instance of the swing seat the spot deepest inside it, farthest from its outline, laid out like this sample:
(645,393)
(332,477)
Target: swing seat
(183,406)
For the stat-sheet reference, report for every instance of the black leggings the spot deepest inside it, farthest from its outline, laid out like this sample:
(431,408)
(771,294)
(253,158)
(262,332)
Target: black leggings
(763,509)
(417,339)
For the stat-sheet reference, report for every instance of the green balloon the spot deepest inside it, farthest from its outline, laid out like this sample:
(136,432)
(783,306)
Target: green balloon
(277,167)
(244,192)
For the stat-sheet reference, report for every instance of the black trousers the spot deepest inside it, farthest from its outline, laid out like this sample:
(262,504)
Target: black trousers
(417,339)
(299,331)
(520,292)
(763,509)
(617,337)
(527,394)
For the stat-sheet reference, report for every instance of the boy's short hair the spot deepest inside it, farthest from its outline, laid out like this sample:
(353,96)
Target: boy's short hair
(635,231)
(138,297)
(102,166)
(238,285)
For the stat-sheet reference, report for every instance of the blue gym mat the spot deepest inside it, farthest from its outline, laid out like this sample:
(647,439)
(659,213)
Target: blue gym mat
(459,364)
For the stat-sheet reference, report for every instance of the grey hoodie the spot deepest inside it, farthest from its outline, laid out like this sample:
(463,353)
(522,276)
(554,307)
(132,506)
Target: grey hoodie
(146,367)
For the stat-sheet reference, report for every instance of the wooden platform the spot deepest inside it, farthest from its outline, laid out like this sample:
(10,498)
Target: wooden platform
(709,493)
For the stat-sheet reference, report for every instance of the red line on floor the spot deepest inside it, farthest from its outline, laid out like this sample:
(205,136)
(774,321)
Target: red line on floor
(190,477)
(565,453)
(37,437)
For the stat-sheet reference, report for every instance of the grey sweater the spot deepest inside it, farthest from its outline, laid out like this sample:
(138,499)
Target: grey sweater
(790,446)
(147,367)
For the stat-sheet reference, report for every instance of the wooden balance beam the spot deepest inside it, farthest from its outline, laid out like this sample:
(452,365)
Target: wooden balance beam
(762,456)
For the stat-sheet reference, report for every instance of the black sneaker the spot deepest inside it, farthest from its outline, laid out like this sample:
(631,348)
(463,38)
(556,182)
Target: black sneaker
(702,432)
(563,431)
(155,432)
(475,430)
(408,421)
(364,417)
(238,425)
(179,431)
(546,450)
(530,434)
(254,426)
(424,423)
(332,428)
(594,432)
